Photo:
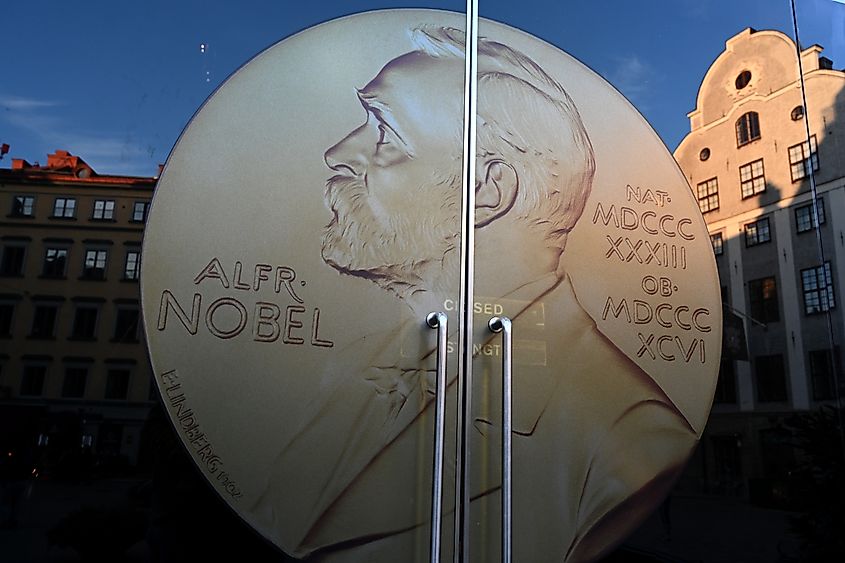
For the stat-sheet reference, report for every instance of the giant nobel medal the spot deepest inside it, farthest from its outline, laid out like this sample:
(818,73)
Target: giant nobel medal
(308,220)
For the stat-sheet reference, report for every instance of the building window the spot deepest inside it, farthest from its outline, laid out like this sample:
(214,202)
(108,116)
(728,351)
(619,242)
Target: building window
(7,316)
(64,207)
(117,384)
(726,384)
(132,269)
(777,452)
(803,158)
(55,263)
(771,378)
(74,384)
(104,209)
(804,219)
(717,243)
(139,211)
(94,267)
(757,232)
(752,179)
(708,195)
(817,284)
(32,383)
(747,128)
(23,206)
(44,321)
(704,154)
(13,261)
(763,300)
(85,322)
(821,374)
(742,80)
(797,113)
(126,325)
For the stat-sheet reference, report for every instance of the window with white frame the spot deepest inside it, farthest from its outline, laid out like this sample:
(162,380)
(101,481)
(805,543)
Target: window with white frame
(55,263)
(64,207)
(757,232)
(747,128)
(132,267)
(139,211)
(805,219)
(717,243)
(752,178)
(94,267)
(708,195)
(803,158)
(103,209)
(23,206)
(817,285)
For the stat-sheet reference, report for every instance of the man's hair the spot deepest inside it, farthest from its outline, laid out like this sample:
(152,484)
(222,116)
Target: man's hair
(526,117)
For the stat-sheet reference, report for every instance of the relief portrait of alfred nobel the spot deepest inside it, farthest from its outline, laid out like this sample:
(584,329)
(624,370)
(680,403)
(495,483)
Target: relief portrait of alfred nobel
(597,443)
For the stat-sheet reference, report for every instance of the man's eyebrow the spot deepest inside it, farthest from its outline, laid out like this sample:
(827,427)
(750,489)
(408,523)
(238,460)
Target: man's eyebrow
(381,111)
(374,104)
(371,100)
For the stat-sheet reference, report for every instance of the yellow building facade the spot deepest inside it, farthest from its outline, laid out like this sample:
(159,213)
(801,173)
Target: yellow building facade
(74,374)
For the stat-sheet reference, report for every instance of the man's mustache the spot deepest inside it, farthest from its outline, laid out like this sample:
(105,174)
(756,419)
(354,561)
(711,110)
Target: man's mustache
(341,191)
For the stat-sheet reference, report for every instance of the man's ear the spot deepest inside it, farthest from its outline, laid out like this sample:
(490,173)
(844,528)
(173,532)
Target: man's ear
(496,192)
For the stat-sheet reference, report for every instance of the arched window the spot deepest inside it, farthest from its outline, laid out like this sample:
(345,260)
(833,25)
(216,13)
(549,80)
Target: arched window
(747,128)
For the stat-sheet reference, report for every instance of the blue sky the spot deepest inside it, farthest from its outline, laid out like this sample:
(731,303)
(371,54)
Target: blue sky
(115,82)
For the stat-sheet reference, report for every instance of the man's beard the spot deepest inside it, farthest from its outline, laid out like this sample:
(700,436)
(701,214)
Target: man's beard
(401,250)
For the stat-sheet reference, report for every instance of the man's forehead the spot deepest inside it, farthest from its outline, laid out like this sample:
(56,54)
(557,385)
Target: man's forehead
(413,71)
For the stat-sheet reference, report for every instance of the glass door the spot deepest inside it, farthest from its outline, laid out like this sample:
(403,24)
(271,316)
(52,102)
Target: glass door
(588,238)
(316,201)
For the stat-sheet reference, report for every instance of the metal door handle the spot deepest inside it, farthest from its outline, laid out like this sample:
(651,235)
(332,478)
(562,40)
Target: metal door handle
(503,325)
(438,321)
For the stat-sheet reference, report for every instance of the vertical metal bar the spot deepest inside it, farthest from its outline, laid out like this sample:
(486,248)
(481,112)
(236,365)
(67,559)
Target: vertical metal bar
(503,325)
(438,321)
(464,415)
(819,240)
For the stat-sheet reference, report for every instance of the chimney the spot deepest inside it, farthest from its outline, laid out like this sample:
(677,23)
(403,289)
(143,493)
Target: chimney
(63,160)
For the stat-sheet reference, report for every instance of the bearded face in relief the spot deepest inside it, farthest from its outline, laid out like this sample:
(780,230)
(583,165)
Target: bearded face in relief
(396,196)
